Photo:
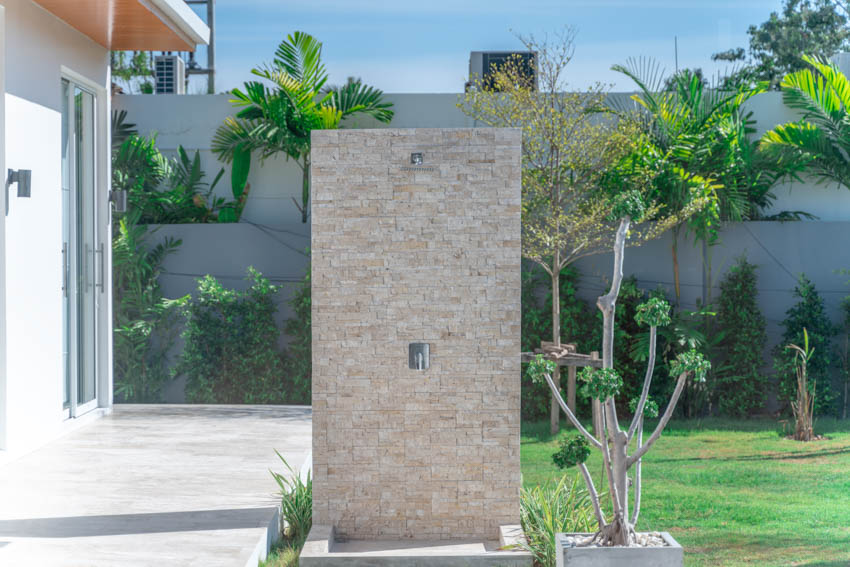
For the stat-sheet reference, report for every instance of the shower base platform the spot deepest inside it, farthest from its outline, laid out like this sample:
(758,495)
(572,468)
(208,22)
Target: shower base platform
(322,550)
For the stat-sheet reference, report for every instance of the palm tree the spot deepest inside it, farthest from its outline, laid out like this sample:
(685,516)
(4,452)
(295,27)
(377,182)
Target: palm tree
(279,118)
(703,132)
(820,141)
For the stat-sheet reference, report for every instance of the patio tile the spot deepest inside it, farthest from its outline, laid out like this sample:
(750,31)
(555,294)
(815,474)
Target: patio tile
(152,485)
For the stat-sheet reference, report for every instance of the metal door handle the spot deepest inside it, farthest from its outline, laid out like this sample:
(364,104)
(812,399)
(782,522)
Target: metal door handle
(100,263)
(65,269)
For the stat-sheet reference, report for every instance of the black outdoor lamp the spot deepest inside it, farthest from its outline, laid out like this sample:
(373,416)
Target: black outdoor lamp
(23,177)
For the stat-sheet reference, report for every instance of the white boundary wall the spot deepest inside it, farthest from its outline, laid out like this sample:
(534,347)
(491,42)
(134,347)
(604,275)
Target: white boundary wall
(781,250)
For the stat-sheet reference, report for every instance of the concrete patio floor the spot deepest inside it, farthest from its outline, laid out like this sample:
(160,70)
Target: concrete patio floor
(164,485)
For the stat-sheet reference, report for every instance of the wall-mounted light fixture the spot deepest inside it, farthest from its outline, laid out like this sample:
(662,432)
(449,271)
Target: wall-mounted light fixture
(23,177)
(417,158)
(118,198)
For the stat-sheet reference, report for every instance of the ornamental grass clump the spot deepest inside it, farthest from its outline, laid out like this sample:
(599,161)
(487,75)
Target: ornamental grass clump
(613,441)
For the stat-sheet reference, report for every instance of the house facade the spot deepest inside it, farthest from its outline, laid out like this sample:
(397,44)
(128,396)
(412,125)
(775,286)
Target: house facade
(55,212)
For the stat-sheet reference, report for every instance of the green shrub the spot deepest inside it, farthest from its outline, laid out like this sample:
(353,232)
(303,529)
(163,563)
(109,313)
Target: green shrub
(170,190)
(298,363)
(143,320)
(231,352)
(536,326)
(551,508)
(283,554)
(296,509)
(739,384)
(808,313)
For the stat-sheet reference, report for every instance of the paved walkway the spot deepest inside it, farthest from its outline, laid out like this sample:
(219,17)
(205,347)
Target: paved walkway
(152,485)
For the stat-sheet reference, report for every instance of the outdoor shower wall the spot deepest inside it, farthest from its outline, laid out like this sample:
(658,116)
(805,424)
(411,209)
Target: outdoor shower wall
(405,254)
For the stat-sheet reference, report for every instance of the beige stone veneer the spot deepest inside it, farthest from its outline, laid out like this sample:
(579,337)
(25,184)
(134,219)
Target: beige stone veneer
(402,254)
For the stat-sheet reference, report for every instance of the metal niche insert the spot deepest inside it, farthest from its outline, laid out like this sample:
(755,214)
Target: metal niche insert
(418,356)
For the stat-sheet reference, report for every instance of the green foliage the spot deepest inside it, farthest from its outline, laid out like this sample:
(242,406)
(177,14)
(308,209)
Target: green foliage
(650,407)
(169,191)
(808,313)
(278,118)
(817,27)
(821,140)
(134,69)
(231,352)
(143,320)
(692,362)
(653,313)
(539,368)
(562,506)
(298,363)
(601,383)
(296,495)
(572,451)
(283,554)
(738,383)
(536,326)
(627,204)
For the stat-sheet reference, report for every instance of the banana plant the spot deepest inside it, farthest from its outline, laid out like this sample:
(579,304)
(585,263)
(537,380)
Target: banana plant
(820,141)
(277,116)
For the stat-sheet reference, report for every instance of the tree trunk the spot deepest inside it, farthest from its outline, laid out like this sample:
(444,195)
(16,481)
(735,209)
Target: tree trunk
(617,439)
(305,189)
(675,252)
(554,409)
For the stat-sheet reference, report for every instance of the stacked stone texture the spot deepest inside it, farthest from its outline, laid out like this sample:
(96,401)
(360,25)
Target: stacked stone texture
(401,254)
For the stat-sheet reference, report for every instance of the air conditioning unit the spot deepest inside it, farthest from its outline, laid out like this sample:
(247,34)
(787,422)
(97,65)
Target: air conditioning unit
(170,74)
(482,65)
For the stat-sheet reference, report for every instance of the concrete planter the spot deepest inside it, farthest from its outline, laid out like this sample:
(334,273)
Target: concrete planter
(670,555)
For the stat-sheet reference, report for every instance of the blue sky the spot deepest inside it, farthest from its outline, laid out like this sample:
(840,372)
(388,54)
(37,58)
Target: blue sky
(424,45)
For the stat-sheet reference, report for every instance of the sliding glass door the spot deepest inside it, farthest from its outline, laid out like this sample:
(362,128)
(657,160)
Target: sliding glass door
(82,274)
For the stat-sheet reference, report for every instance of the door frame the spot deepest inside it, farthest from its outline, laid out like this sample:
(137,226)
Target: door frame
(102,266)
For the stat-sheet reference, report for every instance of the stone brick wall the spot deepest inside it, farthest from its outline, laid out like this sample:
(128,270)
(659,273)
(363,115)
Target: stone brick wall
(403,254)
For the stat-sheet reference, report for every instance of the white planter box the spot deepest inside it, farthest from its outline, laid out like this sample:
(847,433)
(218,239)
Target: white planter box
(670,555)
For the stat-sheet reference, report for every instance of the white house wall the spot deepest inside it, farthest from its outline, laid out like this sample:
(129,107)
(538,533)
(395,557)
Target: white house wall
(39,47)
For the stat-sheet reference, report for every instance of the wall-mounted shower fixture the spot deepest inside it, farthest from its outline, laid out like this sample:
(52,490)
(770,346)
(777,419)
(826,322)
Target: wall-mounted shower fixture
(23,177)
(418,356)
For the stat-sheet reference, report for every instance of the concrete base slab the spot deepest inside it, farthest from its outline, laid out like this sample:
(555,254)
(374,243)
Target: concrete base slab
(322,550)
(671,555)
(152,485)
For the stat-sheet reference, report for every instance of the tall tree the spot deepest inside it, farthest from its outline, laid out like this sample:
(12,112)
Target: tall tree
(278,119)
(572,157)
(816,27)
(703,132)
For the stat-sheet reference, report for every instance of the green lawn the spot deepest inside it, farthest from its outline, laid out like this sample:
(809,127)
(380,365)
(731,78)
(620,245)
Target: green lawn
(735,492)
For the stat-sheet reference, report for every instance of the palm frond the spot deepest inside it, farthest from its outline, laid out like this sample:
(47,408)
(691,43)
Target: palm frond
(356,97)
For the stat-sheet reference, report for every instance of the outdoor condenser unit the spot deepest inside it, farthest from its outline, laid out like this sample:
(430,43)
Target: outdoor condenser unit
(170,74)
(482,64)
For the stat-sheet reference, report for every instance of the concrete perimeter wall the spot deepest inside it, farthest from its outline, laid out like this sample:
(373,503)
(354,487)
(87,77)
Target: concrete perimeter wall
(781,250)
(406,255)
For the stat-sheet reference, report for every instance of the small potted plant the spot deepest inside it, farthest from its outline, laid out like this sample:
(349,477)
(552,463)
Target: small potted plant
(616,542)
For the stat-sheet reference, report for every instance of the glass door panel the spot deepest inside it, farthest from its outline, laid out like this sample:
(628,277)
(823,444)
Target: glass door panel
(86,261)
(79,249)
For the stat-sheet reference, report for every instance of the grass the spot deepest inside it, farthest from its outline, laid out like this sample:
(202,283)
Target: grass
(735,492)
(283,554)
